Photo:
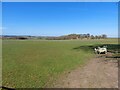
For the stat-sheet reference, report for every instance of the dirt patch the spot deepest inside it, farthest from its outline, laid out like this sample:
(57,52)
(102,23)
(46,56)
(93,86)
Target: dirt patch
(100,72)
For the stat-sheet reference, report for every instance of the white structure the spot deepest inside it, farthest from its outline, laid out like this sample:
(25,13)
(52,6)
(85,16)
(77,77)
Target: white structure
(101,50)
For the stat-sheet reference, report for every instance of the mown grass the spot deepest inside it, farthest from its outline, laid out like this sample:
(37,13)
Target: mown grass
(29,64)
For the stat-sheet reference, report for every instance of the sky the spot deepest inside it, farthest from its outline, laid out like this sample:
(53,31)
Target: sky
(60,18)
(60,0)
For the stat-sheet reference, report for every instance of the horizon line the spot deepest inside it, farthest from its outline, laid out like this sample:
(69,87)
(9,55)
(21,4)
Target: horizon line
(54,35)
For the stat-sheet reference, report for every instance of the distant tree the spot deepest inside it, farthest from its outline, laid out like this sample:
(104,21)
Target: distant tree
(76,36)
(96,37)
(104,36)
(88,36)
(99,37)
(92,37)
(79,36)
(72,36)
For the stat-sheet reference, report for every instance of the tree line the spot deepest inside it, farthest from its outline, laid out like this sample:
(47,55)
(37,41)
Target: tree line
(78,36)
(64,37)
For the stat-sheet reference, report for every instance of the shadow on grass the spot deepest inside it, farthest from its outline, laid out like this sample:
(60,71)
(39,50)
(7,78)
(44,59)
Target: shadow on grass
(112,48)
(6,88)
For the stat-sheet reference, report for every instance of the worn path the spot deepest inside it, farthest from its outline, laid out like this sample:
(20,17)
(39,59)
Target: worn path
(100,72)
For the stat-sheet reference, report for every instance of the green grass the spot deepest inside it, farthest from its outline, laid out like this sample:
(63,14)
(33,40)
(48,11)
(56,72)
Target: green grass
(29,64)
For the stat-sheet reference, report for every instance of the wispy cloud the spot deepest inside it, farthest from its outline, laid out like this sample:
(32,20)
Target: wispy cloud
(3,28)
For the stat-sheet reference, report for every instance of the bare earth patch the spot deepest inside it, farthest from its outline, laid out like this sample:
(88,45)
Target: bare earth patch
(100,72)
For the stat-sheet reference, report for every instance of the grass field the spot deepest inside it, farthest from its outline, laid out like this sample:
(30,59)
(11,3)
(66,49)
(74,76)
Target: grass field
(30,63)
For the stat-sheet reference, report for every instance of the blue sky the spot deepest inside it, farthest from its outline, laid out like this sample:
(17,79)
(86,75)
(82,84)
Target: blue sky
(60,18)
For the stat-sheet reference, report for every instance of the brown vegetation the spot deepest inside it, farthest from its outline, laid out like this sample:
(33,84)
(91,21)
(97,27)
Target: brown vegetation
(64,37)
